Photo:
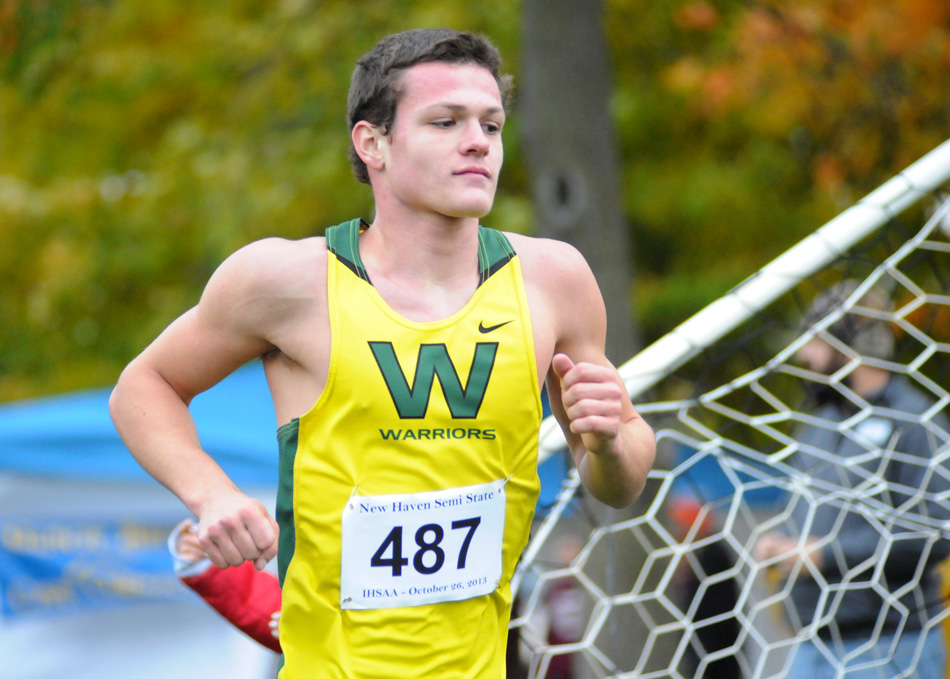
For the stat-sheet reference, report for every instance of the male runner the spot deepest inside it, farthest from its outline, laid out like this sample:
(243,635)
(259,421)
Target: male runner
(405,359)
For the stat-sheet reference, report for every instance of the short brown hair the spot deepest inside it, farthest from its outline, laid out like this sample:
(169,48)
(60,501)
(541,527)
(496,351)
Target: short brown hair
(374,87)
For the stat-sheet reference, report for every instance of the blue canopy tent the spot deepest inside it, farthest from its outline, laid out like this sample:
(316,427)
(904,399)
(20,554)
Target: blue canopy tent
(72,436)
(86,584)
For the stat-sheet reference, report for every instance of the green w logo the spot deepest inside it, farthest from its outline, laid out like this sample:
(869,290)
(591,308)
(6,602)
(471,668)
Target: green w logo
(412,402)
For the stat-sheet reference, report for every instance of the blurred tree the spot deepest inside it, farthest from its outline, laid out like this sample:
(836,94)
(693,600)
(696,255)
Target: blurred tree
(571,149)
(844,80)
(140,143)
(747,125)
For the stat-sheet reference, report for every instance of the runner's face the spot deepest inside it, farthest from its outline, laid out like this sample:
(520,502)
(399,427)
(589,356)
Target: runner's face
(444,153)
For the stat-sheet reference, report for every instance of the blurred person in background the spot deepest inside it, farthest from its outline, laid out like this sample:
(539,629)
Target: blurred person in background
(864,589)
(566,607)
(705,592)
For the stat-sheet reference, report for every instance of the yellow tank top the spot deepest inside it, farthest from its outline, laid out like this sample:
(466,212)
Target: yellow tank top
(406,493)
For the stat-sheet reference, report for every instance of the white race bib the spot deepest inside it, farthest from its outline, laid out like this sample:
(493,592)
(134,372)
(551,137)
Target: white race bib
(422,548)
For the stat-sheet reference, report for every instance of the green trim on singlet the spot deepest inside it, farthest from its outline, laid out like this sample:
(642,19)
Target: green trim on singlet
(494,249)
(343,241)
(287,451)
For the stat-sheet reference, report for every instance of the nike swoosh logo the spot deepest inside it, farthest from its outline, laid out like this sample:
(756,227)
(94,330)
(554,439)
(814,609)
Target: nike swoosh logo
(482,328)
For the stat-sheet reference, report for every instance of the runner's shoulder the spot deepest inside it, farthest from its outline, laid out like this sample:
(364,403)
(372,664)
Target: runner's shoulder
(274,266)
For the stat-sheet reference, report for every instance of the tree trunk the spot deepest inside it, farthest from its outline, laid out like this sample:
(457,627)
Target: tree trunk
(572,160)
(570,150)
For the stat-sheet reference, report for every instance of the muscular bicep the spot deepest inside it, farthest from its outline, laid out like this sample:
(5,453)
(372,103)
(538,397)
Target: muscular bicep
(227,328)
(192,356)
(577,307)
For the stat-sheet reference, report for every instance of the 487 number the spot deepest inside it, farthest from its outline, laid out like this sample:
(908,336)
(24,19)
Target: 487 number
(428,539)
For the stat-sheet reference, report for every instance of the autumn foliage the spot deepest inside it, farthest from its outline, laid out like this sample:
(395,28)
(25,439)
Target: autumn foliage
(140,143)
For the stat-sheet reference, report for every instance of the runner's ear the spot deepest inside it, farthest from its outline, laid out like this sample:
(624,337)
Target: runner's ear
(369,145)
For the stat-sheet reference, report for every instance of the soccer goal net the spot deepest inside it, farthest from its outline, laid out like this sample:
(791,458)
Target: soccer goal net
(794,502)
